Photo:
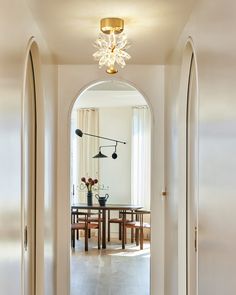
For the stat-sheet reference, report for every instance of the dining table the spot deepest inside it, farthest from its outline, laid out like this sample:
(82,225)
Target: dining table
(104,210)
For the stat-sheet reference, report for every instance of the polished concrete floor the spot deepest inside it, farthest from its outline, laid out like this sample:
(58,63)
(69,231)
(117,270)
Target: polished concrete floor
(110,271)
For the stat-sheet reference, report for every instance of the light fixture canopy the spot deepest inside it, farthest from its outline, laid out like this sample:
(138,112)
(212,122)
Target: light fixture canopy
(112,44)
(109,25)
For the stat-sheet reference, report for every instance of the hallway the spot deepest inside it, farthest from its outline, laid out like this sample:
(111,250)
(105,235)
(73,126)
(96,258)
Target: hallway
(183,63)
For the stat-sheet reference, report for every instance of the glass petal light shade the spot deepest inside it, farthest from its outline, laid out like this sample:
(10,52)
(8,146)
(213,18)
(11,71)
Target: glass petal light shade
(111,50)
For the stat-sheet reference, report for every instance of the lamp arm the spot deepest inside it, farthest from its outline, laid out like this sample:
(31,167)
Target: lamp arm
(105,138)
(102,146)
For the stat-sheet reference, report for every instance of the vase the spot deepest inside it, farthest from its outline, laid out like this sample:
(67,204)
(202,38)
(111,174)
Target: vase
(89,198)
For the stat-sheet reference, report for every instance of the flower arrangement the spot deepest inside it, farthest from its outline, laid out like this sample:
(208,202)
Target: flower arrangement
(89,183)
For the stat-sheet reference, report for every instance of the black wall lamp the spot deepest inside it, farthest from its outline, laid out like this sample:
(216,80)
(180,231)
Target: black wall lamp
(100,155)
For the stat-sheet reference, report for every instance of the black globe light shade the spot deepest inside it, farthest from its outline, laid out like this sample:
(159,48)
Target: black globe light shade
(114,155)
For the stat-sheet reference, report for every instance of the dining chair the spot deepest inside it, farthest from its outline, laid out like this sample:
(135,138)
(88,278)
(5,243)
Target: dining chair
(137,224)
(91,218)
(85,221)
(119,220)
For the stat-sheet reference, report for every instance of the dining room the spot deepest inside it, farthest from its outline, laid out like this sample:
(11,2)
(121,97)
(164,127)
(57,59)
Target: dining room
(110,194)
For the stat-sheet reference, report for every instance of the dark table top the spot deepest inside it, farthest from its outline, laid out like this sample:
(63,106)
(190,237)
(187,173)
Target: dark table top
(107,207)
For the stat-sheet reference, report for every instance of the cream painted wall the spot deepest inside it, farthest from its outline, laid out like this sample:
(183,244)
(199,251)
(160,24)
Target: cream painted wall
(210,27)
(72,80)
(116,123)
(16,28)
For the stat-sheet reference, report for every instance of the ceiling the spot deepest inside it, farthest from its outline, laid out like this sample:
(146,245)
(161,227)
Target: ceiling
(109,95)
(71,26)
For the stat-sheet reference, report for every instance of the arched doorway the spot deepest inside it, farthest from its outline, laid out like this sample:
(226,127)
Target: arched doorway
(192,179)
(74,80)
(109,171)
(29,177)
(188,173)
(32,173)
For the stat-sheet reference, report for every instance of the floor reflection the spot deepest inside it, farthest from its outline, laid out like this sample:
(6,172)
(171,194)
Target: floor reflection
(111,271)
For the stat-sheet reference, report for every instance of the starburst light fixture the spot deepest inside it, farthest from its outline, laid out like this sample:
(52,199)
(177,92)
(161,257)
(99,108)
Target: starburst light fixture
(111,44)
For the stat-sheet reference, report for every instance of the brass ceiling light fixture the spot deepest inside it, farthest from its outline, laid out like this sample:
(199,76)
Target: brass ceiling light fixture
(111,44)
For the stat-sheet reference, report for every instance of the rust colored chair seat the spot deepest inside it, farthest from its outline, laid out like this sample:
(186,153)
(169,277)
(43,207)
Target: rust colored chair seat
(118,220)
(85,223)
(136,224)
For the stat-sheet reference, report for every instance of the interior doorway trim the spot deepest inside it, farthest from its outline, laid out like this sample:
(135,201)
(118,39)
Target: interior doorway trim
(192,160)
(189,55)
(63,241)
(32,52)
(151,143)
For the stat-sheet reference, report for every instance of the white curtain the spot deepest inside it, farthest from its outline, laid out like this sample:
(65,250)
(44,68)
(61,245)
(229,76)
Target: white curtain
(88,146)
(141,156)
(74,157)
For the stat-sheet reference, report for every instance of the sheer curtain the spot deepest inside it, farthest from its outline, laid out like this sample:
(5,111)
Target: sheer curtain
(88,146)
(141,156)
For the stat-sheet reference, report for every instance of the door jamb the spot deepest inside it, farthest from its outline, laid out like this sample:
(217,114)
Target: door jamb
(182,148)
(32,48)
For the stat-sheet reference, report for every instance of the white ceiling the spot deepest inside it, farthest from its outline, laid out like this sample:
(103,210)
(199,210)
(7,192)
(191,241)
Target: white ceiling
(109,94)
(71,26)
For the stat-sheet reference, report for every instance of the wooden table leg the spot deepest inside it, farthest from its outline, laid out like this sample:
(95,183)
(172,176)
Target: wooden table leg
(104,229)
(123,229)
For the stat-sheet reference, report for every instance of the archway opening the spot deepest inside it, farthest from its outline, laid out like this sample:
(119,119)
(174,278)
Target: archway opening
(192,178)
(32,171)
(188,173)
(115,110)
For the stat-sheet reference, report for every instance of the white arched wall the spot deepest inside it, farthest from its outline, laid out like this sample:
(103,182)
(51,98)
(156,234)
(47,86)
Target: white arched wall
(12,59)
(176,95)
(210,26)
(149,81)
(45,168)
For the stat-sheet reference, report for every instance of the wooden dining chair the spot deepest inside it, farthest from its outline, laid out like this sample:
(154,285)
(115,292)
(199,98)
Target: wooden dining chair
(91,218)
(137,224)
(119,220)
(85,221)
